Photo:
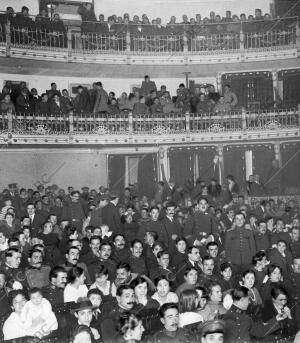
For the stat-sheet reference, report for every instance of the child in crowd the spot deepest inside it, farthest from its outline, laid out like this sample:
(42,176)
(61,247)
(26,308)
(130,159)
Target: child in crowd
(37,315)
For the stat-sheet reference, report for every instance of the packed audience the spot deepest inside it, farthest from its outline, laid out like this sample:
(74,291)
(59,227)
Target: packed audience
(185,264)
(144,100)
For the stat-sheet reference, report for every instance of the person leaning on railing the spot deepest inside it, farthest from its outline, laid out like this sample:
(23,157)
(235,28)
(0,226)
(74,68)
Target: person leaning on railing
(7,105)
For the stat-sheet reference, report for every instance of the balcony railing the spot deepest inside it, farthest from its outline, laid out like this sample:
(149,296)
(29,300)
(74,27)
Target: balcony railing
(136,124)
(193,39)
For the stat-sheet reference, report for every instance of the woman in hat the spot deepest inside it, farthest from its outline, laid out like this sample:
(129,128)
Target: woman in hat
(130,328)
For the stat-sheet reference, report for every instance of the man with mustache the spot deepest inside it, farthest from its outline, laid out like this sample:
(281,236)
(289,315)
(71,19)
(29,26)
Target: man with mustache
(105,260)
(207,271)
(125,303)
(54,292)
(169,316)
(72,257)
(120,252)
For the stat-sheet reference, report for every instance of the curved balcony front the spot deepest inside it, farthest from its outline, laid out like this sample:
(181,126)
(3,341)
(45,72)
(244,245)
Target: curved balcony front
(212,44)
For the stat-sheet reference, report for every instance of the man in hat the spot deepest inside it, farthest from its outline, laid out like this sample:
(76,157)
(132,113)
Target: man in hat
(212,331)
(110,214)
(83,313)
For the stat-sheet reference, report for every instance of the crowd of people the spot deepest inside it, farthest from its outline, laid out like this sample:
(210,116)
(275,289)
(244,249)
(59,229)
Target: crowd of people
(104,266)
(144,100)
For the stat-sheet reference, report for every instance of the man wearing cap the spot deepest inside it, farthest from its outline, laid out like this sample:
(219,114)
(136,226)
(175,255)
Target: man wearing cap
(212,331)
(171,226)
(83,313)
(110,214)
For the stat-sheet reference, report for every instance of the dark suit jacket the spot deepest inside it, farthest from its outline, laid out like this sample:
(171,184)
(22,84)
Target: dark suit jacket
(111,217)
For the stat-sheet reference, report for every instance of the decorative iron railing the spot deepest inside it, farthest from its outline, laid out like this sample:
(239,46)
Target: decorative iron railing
(195,39)
(164,124)
(37,38)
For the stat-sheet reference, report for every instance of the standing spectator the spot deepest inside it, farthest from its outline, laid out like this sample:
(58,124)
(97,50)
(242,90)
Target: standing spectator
(82,102)
(230,97)
(101,99)
(53,91)
(110,214)
(239,245)
(7,106)
(22,103)
(147,86)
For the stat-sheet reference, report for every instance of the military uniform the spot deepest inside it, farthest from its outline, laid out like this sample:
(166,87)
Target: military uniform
(178,336)
(37,277)
(240,327)
(53,294)
(240,248)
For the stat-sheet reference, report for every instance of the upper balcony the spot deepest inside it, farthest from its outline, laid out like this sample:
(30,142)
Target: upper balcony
(130,44)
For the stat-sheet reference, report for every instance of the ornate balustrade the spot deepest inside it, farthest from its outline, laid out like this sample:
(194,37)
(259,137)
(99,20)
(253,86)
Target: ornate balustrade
(198,44)
(135,124)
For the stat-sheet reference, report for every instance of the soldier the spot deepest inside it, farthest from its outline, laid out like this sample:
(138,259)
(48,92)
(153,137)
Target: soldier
(212,331)
(239,245)
(169,315)
(239,325)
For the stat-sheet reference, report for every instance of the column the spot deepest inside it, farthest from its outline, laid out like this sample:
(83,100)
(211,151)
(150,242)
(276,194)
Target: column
(275,85)
(163,163)
(221,163)
(219,83)
(277,151)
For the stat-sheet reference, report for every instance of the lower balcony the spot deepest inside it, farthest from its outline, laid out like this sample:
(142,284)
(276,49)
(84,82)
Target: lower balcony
(144,129)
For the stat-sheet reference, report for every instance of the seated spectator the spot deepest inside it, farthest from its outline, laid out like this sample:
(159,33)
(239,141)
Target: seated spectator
(261,238)
(102,283)
(6,105)
(37,315)
(191,278)
(214,306)
(124,103)
(222,106)
(81,333)
(140,287)
(281,257)
(54,292)
(163,292)
(130,328)
(75,287)
(156,107)
(13,326)
(255,301)
(203,105)
(179,257)
(188,304)
(136,260)
(43,106)
(140,107)
(230,97)
(225,279)
(84,316)
(37,275)
(113,107)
